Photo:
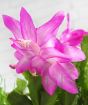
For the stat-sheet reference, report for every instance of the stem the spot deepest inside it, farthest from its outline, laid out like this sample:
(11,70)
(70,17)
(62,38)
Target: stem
(33,93)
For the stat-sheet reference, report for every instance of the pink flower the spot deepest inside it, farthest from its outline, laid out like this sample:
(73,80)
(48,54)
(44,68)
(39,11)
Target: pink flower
(63,73)
(38,50)
(28,40)
(70,42)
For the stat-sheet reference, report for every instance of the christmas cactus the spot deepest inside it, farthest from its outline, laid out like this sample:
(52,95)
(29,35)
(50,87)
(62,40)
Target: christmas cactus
(55,68)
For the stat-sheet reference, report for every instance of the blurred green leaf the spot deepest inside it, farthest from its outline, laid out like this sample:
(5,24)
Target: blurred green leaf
(75,101)
(60,98)
(47,99)
(33,88)
(16,99)
(69,98)
(65,98)
(21,85)
(84,46)
(83,79)
(3,98)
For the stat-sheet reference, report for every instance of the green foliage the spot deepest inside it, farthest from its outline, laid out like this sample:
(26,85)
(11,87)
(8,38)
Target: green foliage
(84,64)
(83,78)
(48,100)
(33,86)
(82,97)
(3,97)
(16,99)
(37,93)
(84,46)
(21,85)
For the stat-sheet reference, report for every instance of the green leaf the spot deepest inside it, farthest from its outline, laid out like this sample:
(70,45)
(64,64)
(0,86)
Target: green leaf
(33,89)
(69,98)
(84,46)
(16,99)
(3,98)
(65,98)
(75,101)
(21,85)
(83,99)
(60,98)
(46,99)
(83,79)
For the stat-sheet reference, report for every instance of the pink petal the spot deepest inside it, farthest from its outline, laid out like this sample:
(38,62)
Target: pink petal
(27,46)
(73,53)
(49,29)
(39,64)
(13,25)
(48,84)
(47,53)
(34,47)
(16,45)
(70,69)
(41,67)
(24,64)
(27,26)
(52,42)
(59,74)
(72,38)
(18,55)
(65,35)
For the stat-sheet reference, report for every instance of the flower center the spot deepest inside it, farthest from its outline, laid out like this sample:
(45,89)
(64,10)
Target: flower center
(29,45)
(24,43)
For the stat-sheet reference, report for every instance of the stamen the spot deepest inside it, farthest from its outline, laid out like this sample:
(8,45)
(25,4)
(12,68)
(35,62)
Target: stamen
(24,43)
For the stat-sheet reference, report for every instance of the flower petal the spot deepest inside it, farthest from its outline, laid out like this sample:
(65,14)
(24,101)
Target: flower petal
(73,53)
(41,67)
(39,64)
(52,42)
(27,26)
(47,53)
(49,29)
(72,38)
(70,69)
(59,74)
(13,25)
(48,84)
(24,64)
(18,55)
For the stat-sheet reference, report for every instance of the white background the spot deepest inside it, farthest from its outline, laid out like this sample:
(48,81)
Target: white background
(41,11)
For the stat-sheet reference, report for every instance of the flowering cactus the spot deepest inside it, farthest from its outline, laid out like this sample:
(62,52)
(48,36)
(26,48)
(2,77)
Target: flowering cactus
(39,51)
